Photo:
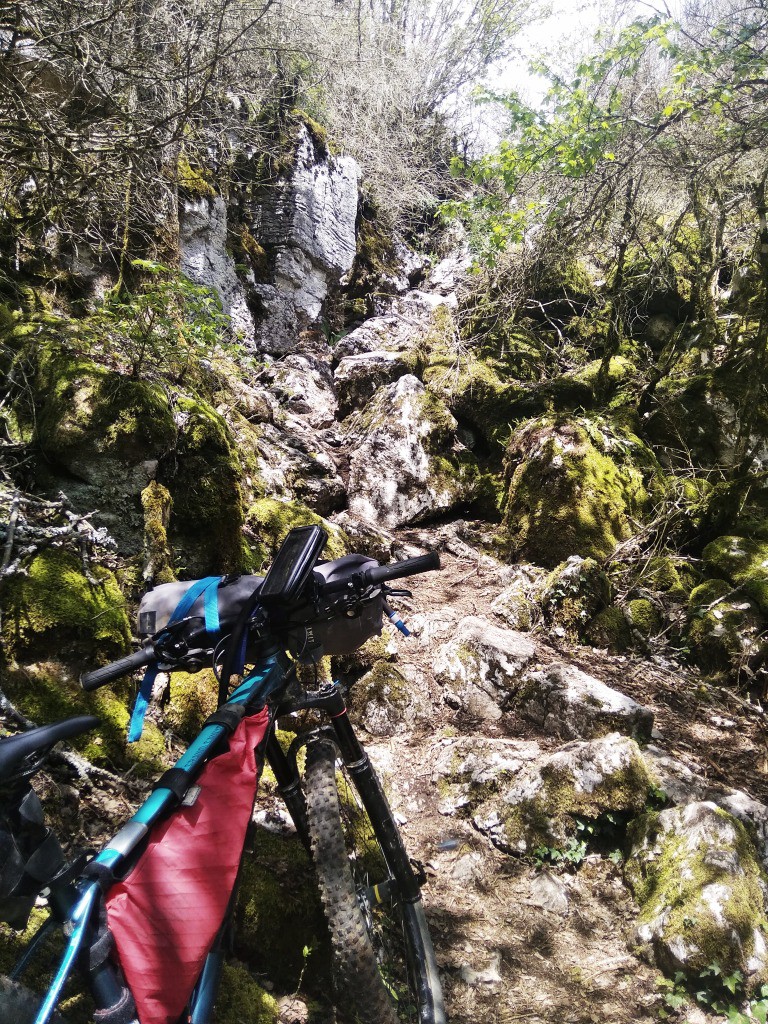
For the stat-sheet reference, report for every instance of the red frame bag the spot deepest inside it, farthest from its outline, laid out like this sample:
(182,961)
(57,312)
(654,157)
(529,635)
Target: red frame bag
(165,914)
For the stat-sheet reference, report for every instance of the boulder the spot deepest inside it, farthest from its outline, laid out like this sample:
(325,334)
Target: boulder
(575,486)
(383,702)
(358,377)
(481,667)
(567,702)
(573,593)
(516,604)
(544,804)
(421,467)
(303,384)
(696,877)
(725,629)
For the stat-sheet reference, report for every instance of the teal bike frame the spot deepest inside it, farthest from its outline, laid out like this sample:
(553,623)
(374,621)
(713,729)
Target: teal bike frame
(266,678)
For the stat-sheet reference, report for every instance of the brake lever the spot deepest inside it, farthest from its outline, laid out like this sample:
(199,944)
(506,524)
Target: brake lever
(391,592)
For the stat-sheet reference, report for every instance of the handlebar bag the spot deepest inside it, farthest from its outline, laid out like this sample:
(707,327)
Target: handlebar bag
(164,916)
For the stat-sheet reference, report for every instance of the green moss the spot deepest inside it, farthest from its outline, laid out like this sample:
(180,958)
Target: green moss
(554,813)
(195,181)
(88,411)
(271,520)
(722,629)
(47,691)
(673,576)
(572,594)
(743,563)
(610,629)
(54,607)
(156,501)
(193,697)
(576,486)
(643,617)
(207,518)
(241,999)
(668,875)
(278,911)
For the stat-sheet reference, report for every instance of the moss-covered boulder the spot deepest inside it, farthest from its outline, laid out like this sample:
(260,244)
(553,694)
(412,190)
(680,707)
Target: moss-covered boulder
(422,468)
(701,892)
(575,486)
(724,628)
(743,563)
(517,604)
(203,477)
(52,606)
(46,691)
(573,593)
(269,520)
(544,804)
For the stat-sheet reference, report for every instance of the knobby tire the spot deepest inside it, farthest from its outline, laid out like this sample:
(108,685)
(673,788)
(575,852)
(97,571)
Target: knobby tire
(380,966)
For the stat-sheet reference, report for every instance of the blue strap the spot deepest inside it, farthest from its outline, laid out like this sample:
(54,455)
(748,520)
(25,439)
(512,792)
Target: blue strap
(211,607)
(209,587)
(143,697)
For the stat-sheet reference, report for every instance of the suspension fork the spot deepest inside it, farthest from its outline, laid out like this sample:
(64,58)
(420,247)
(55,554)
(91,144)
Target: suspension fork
(330,700)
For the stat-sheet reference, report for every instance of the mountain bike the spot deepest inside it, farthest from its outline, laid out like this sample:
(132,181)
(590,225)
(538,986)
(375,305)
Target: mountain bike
(146,921)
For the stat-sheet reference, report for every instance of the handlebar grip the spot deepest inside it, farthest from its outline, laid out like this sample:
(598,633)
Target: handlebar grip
(409,567)
(115,669)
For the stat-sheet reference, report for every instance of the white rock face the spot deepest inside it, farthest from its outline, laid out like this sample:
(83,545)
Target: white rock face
(567,702)
(481,665)
(358,377)
(205,260)
(391,475)
(309,225)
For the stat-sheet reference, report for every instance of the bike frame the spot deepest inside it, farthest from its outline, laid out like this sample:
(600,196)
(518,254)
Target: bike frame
(74,907)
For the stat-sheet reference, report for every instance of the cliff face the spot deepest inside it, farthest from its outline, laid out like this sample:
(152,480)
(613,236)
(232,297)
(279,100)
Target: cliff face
(545,725)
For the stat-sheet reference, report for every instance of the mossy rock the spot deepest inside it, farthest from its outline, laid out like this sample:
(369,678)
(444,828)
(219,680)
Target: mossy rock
(575,486)
(743,563)
(643,616)
(192,698)
(48,691)
(609,629)
(670,575)
(203,478)
(724,630)
(271,519)
(573,593)
(54,607)
(544,804)
(88,411)
(701,891)
(279,912)
(242,999)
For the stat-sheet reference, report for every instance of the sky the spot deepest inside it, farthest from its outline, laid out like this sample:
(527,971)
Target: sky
(570,27)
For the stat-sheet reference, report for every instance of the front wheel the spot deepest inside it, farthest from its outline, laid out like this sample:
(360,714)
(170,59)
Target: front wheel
(383,954)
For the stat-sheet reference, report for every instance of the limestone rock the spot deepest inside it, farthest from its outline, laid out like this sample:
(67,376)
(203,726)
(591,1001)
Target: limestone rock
(421,467)
(567,702)
(572,594)
(695,875)
(205,258)
(515,604)
(541,804)
(481,666)
(303,383)
(358,377)
(383,702)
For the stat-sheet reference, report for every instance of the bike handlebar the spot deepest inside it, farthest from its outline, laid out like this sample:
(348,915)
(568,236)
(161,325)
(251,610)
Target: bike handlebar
(366,578)
(122,667)
(408,567)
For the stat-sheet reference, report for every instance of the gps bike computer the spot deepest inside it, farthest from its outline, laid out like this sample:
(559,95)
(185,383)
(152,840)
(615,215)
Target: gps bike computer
(293,565)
